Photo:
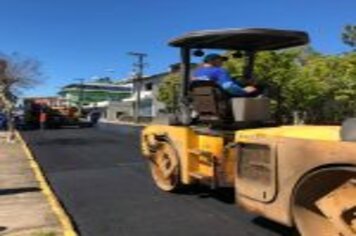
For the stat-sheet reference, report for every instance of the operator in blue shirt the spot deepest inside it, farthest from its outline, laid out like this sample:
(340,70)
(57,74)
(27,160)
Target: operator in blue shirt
(211,70)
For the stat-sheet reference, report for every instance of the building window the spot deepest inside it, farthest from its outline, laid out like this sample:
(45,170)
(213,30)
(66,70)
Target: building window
(148,86)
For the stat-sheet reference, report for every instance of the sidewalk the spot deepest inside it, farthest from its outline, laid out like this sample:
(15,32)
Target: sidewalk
(24,210)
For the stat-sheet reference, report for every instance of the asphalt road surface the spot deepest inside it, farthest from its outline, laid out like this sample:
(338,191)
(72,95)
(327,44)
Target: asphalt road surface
(104,183)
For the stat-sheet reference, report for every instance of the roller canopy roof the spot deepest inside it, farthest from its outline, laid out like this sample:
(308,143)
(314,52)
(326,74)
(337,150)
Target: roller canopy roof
(242,39)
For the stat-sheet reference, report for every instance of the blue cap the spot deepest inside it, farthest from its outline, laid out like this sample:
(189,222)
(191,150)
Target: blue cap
(214,56)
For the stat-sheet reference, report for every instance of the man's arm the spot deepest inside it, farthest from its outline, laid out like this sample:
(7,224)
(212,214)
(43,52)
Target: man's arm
(227,83)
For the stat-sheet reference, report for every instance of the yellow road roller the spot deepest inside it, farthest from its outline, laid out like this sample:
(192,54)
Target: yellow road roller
(302,176)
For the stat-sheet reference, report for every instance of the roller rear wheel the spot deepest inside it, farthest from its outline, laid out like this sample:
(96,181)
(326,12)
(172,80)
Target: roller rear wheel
(164,165)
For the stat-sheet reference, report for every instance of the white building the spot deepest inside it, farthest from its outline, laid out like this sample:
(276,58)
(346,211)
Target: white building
(149,85)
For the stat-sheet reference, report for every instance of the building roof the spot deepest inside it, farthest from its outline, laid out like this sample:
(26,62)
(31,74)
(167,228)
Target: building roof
(254,39)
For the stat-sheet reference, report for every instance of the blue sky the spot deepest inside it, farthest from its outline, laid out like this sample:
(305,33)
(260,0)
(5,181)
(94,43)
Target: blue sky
(82,38)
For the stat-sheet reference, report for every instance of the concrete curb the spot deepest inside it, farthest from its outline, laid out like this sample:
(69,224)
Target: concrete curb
(66,223)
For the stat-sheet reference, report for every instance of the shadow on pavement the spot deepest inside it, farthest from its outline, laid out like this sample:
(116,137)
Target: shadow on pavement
(18,190)
(227,196)
(275,227)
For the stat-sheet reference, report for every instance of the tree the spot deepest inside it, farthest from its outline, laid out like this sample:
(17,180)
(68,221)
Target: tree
(16,73)
(302,81)
(349,36)
(343,86)
(273,70)
(168,91)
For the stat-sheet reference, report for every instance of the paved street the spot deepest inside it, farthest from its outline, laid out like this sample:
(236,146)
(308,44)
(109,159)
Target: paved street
(104,184)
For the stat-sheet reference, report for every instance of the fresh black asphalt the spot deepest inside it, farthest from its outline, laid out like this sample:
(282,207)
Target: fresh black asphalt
(104,184)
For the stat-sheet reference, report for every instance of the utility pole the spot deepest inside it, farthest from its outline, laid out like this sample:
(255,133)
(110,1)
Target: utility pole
(138,66)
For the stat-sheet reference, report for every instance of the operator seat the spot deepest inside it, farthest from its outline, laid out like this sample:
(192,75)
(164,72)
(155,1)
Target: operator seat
(214,105)
(210,101)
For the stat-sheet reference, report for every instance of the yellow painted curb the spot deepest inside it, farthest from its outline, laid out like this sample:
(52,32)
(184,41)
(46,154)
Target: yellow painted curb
(67,226)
